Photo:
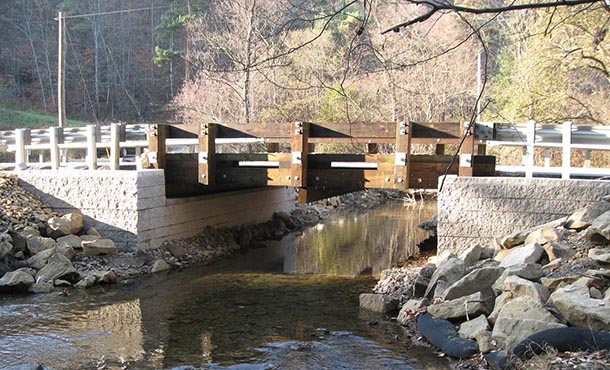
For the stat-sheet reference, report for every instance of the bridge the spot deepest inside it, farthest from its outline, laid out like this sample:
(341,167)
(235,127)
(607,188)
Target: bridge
(320,159)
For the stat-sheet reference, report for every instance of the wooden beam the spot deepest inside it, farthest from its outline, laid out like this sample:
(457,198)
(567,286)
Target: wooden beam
(300,153)
(467,151)
(402,155)
(156,145)
(207,153)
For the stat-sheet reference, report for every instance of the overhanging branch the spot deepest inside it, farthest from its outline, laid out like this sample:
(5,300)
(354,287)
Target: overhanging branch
(435,7)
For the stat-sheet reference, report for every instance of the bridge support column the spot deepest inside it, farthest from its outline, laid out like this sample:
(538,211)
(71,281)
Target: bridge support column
(467,151)
(207,153)
(402,163)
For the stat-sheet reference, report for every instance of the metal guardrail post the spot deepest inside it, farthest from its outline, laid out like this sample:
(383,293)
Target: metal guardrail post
(566,149)
(22,138)
(92,147)
(528,158)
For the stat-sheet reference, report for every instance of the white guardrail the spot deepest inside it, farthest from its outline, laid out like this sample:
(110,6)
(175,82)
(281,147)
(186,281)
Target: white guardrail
(119,139)
(566,136)
(53,145)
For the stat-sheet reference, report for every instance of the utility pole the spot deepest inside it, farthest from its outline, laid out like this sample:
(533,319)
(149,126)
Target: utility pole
(61,71)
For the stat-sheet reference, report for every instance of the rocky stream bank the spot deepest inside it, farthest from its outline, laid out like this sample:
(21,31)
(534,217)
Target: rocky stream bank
(535,299)
(44,252)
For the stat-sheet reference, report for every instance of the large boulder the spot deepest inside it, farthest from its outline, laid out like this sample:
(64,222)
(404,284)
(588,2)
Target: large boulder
(529,271)
(575,304)
(520,318)
(480,280)
(70,240)
(499,303)
(16,281)
(445,275)
(40,259)
(36,244)
(71,223)
(471,254)
(57,267)
(543,236)
(474,328)
(528,253)
(583,218)
(521,287)
(468,306)
(98,246)
(378,303)
(599,231)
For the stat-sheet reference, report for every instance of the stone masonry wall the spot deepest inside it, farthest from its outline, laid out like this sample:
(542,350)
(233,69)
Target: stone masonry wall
(476,209)
(130,207)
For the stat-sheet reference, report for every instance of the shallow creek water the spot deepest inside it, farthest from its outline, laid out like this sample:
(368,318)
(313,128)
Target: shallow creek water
(293,305)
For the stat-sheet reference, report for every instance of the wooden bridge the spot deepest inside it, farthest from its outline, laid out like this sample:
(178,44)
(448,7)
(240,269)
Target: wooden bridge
(289,156)
(320,160)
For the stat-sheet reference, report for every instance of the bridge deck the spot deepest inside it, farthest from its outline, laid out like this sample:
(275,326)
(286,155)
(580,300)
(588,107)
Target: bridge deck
(299,164)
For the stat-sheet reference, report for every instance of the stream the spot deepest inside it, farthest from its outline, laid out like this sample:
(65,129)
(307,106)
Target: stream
(292,305)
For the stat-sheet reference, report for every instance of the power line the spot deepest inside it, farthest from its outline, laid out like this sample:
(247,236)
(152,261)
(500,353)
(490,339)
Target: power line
(114,12)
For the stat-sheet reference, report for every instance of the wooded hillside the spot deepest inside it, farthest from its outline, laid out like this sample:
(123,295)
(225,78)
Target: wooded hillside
(265,60)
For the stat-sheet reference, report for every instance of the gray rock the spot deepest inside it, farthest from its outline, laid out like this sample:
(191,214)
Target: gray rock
(179,252)
(553,265)
(485,342)
(16,281)
(607,295)
(71,223)
(423,280)
(529,253)
(525,307)
(98,246)
(554,283)
(41,288)
(468,306)
(70,240)
(480,280)
(88,238)
(107,277)
(474,328)
(57,267)
(378,303)
(36,244)
(445,275)
(6,245)
(543,236)
(575,304)
(529,271)
(28,231)
(509,332)
(19,242)
(555,251)
(410,308)
(518,238)
(86,282)
(599,231)
(583,218)
(93,231)
(472,254)
(520,287)
(19,255)
(501,300)
(600,255)
(595,293)
(67,251)
(159,265)
(62,283)
(39,260)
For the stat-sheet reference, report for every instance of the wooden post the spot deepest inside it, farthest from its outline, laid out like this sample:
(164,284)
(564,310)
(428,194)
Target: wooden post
(467,151)
(300,151)
(566,149)
(402,162)
(56,137)
(61,73)
(207,153)
(372,148)
(528,160)
(23,137)
(92,147)
(156,145)
(439,149)
(115,146)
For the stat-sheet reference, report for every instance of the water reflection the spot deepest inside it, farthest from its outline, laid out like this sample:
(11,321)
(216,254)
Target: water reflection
(352,244)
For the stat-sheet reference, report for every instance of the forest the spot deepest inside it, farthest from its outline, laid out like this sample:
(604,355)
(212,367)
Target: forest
(317,60)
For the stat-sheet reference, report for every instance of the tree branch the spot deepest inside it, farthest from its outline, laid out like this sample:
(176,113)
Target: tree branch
(435,7)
